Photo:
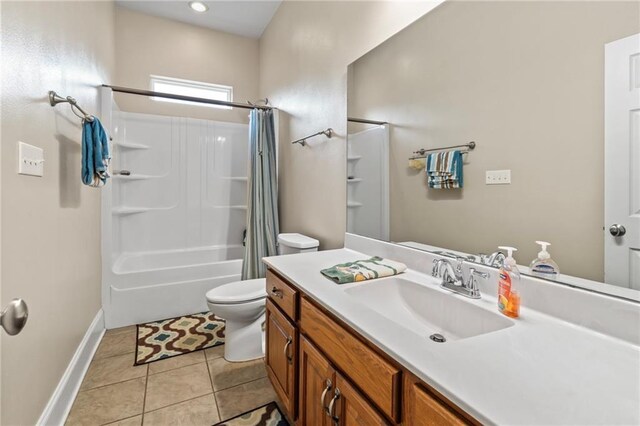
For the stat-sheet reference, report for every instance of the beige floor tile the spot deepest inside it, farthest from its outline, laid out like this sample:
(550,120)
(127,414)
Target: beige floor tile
(177,385)
(108,404)
(131,421)
(214,352)
(106,371)
(176,362)
(195,412)
(239,399)
(120,343)
(225,374)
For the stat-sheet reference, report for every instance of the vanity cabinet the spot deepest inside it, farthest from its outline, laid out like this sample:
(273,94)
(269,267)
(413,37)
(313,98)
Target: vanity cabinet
(280,356)
(326,374)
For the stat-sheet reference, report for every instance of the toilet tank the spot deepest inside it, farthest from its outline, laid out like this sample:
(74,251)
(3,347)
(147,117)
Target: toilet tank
(296,243)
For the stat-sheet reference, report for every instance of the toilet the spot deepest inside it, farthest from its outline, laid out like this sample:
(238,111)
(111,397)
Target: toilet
(242,305)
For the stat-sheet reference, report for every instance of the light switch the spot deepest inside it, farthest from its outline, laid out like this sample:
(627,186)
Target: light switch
(30,160)
(498,177)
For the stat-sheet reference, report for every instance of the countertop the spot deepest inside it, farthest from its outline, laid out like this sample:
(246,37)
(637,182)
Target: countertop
(541,371)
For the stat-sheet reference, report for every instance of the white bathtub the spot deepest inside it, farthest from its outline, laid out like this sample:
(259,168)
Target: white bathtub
(156,285)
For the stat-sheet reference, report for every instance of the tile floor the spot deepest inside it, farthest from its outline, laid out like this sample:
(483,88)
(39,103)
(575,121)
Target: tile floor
(199,388)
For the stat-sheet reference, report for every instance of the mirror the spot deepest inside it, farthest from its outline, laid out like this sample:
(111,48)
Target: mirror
(549,92)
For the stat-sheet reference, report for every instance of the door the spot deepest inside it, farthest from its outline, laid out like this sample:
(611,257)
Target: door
(317,381)
(280,357)
(422,408)
(622,162)
(350,408)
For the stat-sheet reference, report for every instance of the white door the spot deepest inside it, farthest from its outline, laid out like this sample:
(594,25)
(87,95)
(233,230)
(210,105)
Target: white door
(622,162)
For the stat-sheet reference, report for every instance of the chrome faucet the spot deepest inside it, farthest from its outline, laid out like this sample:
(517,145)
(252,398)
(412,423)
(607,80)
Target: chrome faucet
(495,259)
(453,277)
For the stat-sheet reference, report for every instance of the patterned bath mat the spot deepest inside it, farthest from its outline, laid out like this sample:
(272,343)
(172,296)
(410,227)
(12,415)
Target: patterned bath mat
(267,415)
(178,336)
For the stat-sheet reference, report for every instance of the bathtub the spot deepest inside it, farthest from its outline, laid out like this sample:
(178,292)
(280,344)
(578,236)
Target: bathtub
(148,286)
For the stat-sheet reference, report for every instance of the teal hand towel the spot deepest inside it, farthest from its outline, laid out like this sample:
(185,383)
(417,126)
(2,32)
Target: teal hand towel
(444,170)
(362,270)
(95,153)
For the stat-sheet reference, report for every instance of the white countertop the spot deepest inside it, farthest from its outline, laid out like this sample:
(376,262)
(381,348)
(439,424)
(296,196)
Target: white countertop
(541,371)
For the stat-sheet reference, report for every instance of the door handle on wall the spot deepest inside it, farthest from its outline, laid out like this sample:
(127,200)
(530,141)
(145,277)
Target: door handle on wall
(14,317)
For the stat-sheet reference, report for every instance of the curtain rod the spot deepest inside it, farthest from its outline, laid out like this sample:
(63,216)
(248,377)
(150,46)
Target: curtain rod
(365,121)
(182,98)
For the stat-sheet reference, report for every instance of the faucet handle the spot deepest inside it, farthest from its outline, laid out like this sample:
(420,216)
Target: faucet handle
(472,283)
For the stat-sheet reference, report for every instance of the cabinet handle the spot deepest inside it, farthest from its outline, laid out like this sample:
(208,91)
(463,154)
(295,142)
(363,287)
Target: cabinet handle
(324,395)
(275,292)
(336,396)
(286,350)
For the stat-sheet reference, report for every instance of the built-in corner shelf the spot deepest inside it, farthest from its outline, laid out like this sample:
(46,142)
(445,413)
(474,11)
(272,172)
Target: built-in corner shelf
(127,145)
(353,204)
(123,211)
(354,180)
(134,176)
(232,207)
(354,157)
(236,178)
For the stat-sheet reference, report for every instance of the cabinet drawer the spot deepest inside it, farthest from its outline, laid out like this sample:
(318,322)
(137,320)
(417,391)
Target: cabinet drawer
(378,379)
(282,294)
(425,409)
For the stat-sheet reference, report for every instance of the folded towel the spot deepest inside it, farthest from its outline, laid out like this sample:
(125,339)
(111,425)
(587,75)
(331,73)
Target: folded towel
(95,153)
(417,163)
(362,270)
(444,170)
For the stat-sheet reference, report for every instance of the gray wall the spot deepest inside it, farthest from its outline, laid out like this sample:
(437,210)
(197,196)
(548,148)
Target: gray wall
(50,225)
(525,81)
(148,45)
(304,53)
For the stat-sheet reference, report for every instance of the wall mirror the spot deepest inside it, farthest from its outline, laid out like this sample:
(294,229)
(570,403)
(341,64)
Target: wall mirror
(549,92)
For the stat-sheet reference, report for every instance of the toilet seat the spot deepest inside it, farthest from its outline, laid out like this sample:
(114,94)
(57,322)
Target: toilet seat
(238,292)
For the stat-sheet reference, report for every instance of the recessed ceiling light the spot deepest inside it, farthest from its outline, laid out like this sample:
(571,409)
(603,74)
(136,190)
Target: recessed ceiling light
(198,6)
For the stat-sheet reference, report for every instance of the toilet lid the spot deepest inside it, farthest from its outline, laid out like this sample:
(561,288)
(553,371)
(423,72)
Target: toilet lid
(238,292)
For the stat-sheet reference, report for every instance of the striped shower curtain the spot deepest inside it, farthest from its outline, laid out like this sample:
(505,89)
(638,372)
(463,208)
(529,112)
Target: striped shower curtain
(262,205)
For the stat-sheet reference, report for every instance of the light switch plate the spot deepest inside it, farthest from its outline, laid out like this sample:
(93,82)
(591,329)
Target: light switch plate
(498,177)
(30,160)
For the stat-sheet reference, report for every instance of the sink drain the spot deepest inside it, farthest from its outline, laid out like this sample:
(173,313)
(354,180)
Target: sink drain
(438,338)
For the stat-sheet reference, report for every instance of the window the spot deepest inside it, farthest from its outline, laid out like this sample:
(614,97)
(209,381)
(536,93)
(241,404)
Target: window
(196,89)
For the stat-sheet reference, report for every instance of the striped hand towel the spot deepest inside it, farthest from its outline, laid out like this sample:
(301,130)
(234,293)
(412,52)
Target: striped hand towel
(444,170)
(362,270)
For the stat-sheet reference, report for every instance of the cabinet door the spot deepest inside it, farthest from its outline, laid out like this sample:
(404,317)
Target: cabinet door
(350,408)
(280,357)
(317,380)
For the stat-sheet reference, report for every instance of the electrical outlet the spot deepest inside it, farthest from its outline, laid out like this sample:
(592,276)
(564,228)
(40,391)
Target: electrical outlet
(30,160)
(498,177)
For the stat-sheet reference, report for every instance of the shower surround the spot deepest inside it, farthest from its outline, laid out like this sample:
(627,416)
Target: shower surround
(174,213)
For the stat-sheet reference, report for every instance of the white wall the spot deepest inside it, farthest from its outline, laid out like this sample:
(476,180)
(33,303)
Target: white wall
(304,53)
(50,225)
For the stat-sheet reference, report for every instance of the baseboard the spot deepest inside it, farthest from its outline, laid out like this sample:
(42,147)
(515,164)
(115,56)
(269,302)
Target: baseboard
(59,405)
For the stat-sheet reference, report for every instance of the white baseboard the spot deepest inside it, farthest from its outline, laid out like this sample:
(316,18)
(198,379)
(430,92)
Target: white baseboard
(59,405)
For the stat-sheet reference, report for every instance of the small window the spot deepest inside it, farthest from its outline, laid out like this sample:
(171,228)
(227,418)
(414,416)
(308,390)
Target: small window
(196,89)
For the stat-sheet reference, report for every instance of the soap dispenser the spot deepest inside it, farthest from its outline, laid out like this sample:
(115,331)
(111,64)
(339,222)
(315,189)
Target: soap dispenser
(543,266)
(508,285)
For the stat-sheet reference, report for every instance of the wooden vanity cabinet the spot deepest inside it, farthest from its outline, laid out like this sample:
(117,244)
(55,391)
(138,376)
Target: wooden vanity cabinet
(314,359)
(281,356)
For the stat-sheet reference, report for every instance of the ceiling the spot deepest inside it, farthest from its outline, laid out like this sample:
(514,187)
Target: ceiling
(246,18)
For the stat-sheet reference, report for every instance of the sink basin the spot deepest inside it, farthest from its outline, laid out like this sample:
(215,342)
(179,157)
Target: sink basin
(427,310)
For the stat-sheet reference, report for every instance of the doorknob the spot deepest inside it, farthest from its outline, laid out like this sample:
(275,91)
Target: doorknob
(617,230)
(14,317)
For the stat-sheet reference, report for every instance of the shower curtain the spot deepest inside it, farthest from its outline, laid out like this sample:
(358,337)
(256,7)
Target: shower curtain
(262,204)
